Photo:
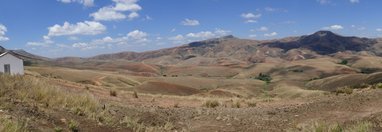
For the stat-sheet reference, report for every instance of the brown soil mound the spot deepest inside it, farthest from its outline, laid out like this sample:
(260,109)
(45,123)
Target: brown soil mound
(221,93)
(166,89)
(350,80)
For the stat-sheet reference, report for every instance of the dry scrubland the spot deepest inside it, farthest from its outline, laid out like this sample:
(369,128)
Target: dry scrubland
(323,82)
(65,99)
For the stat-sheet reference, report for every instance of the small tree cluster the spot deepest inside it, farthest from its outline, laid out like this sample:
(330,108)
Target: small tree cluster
(264,77)
(344,62)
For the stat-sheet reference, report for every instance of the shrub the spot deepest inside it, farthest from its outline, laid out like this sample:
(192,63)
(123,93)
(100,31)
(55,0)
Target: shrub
(28,63)
(73,126)
(58,129)
(379,85)
(8,125)
(345,90)
(362,85)
(369,70)
(361,127)
(264,77)
(113,93)
(135,94)
(251,104)
(324,127)
(297,70)
(236,105)
(211,103)
(176,105)
(344,62)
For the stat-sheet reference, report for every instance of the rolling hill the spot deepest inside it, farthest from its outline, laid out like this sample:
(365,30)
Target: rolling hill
(208,52)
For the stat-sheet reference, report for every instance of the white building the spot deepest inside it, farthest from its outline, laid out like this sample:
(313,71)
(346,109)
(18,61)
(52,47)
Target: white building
(10,64)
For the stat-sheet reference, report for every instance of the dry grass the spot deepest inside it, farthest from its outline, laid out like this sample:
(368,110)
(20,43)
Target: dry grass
(136,126)
(211,103)
(360,126)
(30,90)
(9,125)
(345,90)
(38,92)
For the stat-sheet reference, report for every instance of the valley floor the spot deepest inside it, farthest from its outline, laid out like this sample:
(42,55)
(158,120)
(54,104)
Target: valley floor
(70,103)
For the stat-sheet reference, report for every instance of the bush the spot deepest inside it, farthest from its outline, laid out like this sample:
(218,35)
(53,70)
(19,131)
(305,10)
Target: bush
(73,126)
(135,94)
(379,85)
(369,70)
(345,90)
(361,127)
(211,103)
(362,85)
(328,128)
(236,105)
(297,70)
(9,125)
(264,77)
(251,104)
(28,63)
(344,62)
(113,93)
(58,129)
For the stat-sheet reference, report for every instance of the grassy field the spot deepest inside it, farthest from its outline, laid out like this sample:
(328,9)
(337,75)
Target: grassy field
(55,98)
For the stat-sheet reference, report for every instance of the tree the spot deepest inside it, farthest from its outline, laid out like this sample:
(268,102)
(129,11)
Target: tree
(264,77)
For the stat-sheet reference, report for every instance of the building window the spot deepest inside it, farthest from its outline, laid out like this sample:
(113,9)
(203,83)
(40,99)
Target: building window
(7,69)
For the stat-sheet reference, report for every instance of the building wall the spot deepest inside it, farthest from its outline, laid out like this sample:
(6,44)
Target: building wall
(17,66)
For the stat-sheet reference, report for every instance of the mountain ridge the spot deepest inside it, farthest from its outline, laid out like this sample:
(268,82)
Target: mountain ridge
(289,48)
(212,51)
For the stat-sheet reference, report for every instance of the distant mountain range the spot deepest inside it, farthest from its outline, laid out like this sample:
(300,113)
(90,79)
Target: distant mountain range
(230,50)
(25,55)
(321,43)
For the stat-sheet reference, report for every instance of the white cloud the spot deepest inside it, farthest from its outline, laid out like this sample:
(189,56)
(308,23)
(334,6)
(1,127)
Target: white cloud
(87,3)
(354,1)
(133,15)
(203,34)
(148,18)
(80,28)
(250,21)
(38,44)
(84,46)
(3,30)
(116,12)
(263,29)
(190,22)
(324,1)
(334,27)
(250,17)
(73,38)
(198,36)
(47,42)
(177,38)
(271,9)
(221,32)
(379,29)
(127,5)
(270,34)
(107,14)
(137,35)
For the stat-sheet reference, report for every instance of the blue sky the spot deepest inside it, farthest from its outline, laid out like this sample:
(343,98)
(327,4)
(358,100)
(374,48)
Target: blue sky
(57,28)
